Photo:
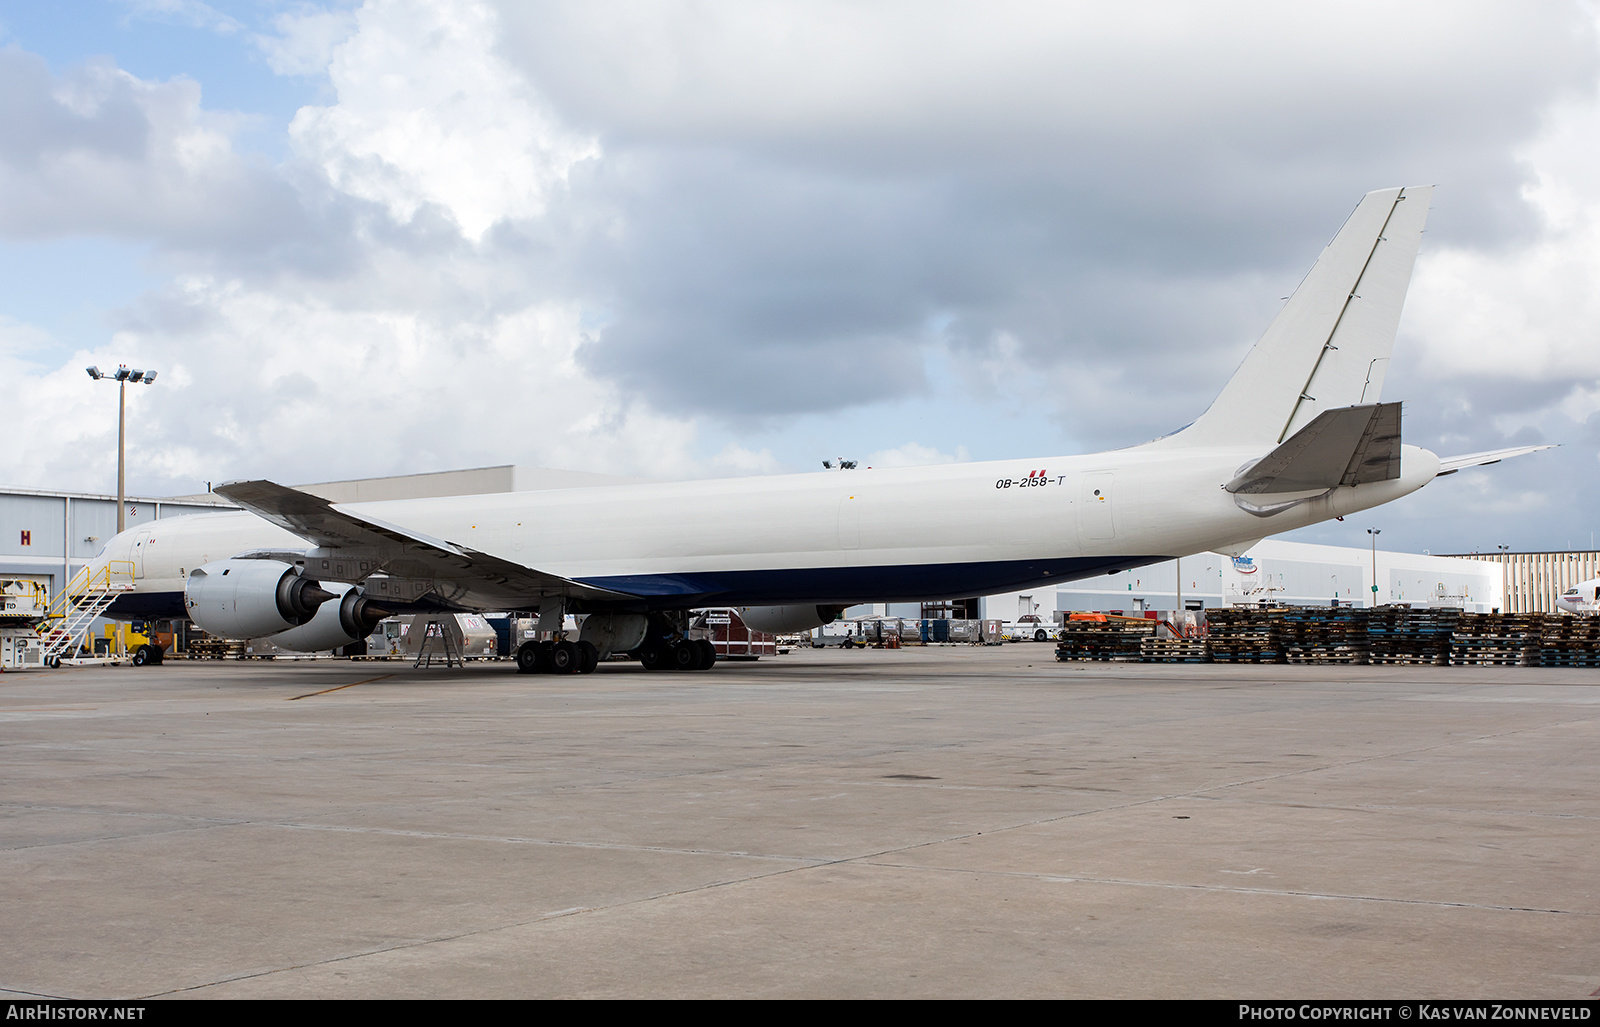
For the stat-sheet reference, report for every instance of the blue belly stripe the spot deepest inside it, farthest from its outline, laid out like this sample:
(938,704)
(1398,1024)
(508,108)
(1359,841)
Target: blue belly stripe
(832,585)
(899,583)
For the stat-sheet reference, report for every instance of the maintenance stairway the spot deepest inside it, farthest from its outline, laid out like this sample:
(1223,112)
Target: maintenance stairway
(75,608)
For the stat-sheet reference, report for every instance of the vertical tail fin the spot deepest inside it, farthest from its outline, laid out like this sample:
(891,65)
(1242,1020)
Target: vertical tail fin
(1329,346)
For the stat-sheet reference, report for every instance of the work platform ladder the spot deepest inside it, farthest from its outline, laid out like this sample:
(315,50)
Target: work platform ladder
(90,592)
(439,629)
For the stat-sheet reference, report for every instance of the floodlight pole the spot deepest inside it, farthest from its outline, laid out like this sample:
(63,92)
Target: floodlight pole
(1374,532)
(1178,615)
(122,376)
(122,454)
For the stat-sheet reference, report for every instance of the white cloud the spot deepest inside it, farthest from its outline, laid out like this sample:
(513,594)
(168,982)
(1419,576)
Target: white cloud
(364,346)
(735,459)
(948,72)
(1529,312)
(261,382)
(99,150)
(62,424)
(192,13)
(1526,315)
(306,39)
(914,454)
(428,113)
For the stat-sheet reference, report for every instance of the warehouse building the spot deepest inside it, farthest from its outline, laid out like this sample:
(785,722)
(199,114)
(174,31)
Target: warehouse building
(1276,572)
(1294,573)
(1532,581)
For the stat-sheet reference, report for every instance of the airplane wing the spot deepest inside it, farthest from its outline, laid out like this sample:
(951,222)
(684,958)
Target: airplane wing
(402,550)
(1452,464)
(1344,446)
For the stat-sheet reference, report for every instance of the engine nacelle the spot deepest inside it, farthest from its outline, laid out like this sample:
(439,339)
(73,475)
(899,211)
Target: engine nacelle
(250,598)
(787,620)
(336,624)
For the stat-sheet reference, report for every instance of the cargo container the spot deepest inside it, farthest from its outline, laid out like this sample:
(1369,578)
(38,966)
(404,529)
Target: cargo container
(731,637)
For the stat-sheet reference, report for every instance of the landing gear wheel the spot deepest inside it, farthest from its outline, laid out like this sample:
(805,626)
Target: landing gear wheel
(653,655)
(157,654)
(686,656)
(141,656)
(708,653)
(530,658)
(563,658)
(588,657)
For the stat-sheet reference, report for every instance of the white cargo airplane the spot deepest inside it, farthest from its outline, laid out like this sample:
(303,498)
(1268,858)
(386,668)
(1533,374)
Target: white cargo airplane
(1297,436)
(1582,598)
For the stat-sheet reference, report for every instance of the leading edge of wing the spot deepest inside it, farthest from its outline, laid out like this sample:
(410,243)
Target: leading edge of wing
(315,519)
(318,521)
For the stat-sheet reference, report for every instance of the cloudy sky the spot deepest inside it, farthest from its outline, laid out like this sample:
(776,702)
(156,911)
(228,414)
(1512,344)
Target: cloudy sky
(697,239)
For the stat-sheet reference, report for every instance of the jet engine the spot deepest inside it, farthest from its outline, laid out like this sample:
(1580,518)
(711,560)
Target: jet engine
(251,598)
(787,620)
(335,624)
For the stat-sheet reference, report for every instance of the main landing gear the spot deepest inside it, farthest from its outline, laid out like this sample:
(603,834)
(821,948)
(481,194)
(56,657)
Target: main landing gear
(561,657)
(666,646)
(682,654)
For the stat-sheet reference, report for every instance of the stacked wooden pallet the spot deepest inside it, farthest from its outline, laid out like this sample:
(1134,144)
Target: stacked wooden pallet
(1569,641)
(1245,635)
(1173,650)
(1400,635)
(209,648)
(1497,640)
(1394,634)
(1324,634)
(1103,640)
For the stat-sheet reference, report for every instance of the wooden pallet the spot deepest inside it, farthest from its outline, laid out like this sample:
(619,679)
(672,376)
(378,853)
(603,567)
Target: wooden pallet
(1408,659)
(1105,641)
(1173,650)
(1557,659)
(1326,654)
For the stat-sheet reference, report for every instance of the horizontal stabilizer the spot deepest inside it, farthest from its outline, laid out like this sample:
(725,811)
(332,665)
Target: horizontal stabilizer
(326,525)
(1346,446)
(1452,464)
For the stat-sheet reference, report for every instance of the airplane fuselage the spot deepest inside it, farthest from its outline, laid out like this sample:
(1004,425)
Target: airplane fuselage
(1582,598)
(893,534)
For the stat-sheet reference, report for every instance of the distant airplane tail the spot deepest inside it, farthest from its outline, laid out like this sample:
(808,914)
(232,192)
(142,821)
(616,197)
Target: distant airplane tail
(1329,346)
